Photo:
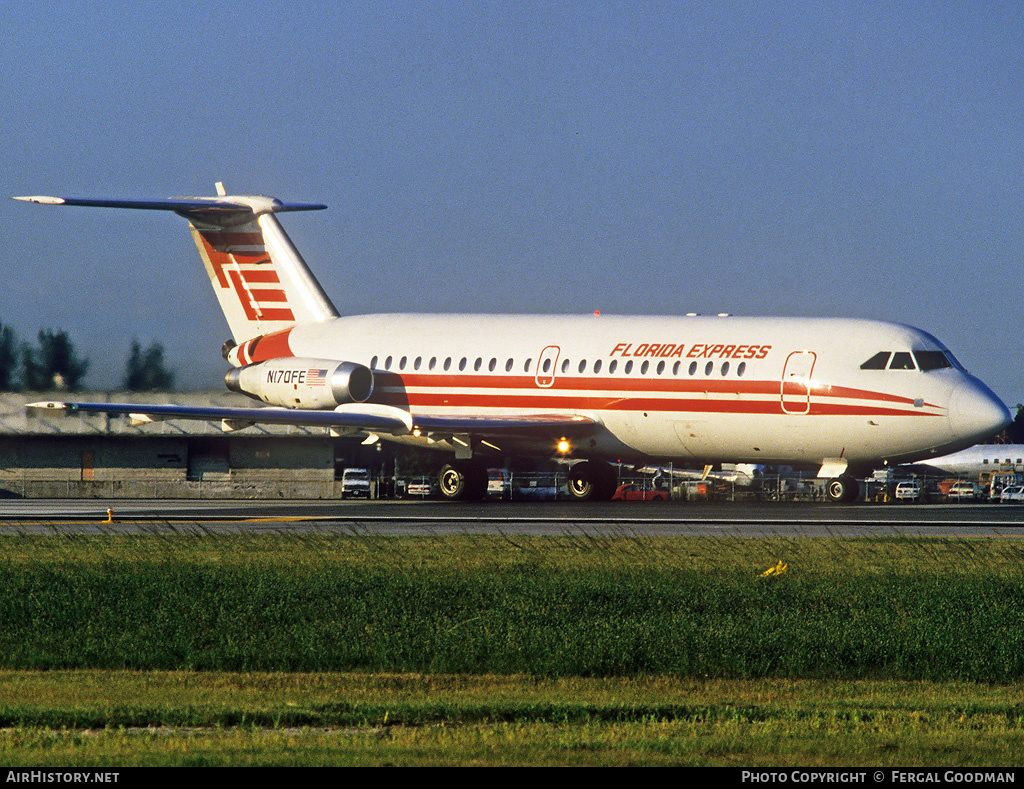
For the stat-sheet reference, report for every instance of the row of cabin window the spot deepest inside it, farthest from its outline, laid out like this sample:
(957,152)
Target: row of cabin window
(998,462)
(627,368)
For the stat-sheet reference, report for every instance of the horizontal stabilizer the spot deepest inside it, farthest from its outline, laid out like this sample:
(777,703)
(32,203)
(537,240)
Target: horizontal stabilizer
(181,205)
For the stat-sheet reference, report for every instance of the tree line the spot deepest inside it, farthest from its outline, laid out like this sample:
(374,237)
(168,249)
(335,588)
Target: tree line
(53,364)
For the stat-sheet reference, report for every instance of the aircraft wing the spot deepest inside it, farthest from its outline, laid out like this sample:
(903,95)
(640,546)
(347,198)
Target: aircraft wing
(530,424)
(361,416)
(369,417)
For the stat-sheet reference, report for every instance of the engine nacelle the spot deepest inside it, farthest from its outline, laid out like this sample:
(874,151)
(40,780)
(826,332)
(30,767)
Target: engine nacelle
(303,383)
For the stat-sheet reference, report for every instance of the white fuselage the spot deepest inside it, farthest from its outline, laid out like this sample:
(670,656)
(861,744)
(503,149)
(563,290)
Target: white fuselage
(704,389)
(976,460)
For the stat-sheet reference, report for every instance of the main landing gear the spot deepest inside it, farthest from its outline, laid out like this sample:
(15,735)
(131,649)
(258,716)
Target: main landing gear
(592,480)
(841,489)
(463,480)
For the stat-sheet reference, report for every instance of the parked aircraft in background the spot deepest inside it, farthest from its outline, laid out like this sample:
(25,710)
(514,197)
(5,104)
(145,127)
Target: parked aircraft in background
(743,474)
(837,396)
(981,458)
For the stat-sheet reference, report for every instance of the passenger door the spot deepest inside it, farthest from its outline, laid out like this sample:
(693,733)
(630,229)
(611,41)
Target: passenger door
(546,362)
(795,391)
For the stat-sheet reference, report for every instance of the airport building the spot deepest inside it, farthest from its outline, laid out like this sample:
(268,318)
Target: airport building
(47,455)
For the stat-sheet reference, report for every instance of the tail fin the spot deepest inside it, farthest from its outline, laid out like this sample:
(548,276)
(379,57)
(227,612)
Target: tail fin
(261,281)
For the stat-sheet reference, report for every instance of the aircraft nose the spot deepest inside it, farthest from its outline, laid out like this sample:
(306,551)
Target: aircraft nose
(975,413)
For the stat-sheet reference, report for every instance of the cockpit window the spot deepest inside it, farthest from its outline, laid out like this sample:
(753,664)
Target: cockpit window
(902,360)
(877,362)
(932,360)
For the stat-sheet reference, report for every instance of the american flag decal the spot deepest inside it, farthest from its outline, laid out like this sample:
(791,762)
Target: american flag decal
(316,377)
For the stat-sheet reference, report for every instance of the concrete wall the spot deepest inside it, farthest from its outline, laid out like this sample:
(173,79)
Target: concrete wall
(98,456)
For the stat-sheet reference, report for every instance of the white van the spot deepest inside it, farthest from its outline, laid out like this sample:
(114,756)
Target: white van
(355,482)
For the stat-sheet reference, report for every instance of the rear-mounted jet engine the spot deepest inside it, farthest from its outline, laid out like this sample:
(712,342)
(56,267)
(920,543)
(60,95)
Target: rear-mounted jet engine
(303,383)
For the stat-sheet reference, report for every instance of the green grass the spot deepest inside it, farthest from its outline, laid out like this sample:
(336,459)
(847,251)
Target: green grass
(320,649)
(549,607)
(98,718)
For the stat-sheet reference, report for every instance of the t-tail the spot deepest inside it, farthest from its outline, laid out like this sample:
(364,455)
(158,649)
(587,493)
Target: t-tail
(262,283)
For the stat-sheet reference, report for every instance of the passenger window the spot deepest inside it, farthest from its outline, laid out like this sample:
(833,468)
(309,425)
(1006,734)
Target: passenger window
(613,366)
(387,363)
(597,366)
(902,360)
(675,368)
(477,364)
(373,363)
(877,362)
(447,363)
(644,367)
(661,368)
(708,368)
(741,369)
(401,364)
(725,368)
(433,362)
(508,366)
(693,368)
(565,365)
(462,364)
(583,366)
(629,367)
(492,365)
(416,364)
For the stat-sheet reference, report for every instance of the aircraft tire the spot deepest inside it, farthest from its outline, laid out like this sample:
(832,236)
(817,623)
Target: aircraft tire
(462,481)
(841,489)
(592,481)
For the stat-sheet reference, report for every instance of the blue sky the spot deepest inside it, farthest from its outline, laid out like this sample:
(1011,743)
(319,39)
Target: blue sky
(851,159)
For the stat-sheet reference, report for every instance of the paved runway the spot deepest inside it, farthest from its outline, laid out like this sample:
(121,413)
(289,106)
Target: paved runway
(189,516)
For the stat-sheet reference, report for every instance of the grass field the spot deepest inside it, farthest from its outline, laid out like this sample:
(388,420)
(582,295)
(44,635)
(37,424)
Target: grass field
(317,649)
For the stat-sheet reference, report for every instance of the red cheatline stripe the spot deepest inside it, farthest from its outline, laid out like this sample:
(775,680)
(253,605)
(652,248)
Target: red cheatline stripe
(681,386)
(660,405)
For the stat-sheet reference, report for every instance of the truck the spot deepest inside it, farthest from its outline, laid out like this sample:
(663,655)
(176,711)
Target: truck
(355,482)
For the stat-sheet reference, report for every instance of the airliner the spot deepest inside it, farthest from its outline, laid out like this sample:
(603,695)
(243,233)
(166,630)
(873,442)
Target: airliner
(976,460)
(838,396)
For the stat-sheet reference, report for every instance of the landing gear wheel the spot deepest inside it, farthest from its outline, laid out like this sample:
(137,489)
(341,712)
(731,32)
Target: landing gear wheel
(841,489)
(461,481)
(592,481)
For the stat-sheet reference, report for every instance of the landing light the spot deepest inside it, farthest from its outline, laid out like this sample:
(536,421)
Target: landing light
(563,446)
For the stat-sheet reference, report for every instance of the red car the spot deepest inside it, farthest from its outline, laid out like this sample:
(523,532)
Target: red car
(631,492)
